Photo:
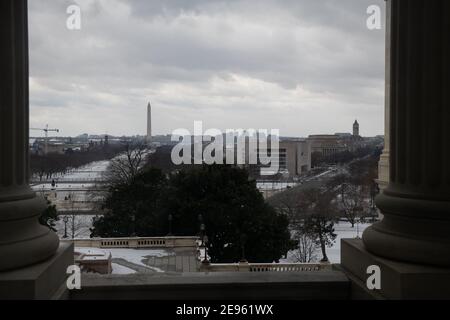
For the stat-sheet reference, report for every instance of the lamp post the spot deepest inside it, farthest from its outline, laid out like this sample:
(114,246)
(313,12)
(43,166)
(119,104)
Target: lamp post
(65,220)
(205,246)
(204,238)
(202,231)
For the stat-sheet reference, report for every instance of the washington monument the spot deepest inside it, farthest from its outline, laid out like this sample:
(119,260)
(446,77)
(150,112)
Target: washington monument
(149,122)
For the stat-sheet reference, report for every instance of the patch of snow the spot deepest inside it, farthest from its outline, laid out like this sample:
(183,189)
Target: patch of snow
(118,269)
(344,230)
(135,256)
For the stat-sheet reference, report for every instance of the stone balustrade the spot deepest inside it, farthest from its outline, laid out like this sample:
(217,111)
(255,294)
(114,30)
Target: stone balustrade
(265,267)
(136,243)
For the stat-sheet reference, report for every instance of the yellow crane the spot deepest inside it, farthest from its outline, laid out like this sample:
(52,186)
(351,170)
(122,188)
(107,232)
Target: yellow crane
(46,131)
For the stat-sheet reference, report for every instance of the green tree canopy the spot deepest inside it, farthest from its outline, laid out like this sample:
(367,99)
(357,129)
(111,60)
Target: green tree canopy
(234,213)
(135,208)
(231,207)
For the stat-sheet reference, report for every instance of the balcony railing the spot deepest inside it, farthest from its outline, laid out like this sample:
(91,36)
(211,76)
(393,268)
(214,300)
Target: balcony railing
(136,243)
(266,267)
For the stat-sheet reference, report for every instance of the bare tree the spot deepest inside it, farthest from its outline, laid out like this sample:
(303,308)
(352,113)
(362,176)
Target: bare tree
(312,213)
(126,166)
(307,248)
(318,214)
(351,196)
(76,223)
(288,202)
(352,201)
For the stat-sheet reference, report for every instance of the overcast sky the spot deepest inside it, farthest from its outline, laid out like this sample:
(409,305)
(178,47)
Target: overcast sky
(304,67)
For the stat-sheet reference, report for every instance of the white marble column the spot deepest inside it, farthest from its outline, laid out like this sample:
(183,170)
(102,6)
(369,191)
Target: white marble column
(23,241)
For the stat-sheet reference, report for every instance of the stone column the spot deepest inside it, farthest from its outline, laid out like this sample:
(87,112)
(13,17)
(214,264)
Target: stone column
(23,241)
(416,204)
(383,167)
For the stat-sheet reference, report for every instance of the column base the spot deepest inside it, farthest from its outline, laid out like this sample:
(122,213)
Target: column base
(399,281)
(23,240)
(43,281)
(413,230)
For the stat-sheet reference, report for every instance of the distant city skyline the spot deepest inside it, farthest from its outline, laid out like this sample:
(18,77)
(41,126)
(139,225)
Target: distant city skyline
(307,68)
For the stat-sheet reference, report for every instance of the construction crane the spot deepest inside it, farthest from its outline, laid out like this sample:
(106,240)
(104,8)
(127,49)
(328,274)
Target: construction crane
(46,130)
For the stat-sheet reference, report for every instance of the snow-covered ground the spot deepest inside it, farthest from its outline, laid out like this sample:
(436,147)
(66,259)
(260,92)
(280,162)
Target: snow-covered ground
(92,170)
(83,224)
(73,196)
(343,230)
(137,256)
(128,261)
(119,269)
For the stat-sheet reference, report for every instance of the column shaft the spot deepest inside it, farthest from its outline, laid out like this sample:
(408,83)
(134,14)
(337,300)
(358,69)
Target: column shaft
(416,204)
(22,240)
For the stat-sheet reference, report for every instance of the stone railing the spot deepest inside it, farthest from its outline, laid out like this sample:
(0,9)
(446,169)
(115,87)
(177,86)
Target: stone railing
(265,267)
(265,286)
(136,243)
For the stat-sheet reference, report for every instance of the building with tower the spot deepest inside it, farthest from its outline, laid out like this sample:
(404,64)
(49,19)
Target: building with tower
(356,128)
(329,145)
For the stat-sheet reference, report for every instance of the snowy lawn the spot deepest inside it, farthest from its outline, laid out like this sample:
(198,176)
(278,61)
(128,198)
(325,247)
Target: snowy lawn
(118,269)
(131,257)
(344,230)
(137,256)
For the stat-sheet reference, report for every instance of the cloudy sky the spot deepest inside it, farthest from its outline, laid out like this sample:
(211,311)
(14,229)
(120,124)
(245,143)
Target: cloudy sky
(301,66)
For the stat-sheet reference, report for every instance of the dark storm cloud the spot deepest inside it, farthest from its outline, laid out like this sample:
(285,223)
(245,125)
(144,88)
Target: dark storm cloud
(229,63)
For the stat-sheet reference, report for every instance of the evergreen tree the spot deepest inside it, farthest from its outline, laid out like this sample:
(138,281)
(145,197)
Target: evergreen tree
(49,217)
(237,219)
(134,208)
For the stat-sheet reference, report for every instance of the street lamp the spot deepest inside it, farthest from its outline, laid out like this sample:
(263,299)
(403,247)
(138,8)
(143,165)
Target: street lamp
(65,220)
(205,246)
(204,238)
(202,233)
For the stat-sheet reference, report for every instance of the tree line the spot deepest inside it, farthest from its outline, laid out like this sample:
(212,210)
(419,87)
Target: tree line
(52,164)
